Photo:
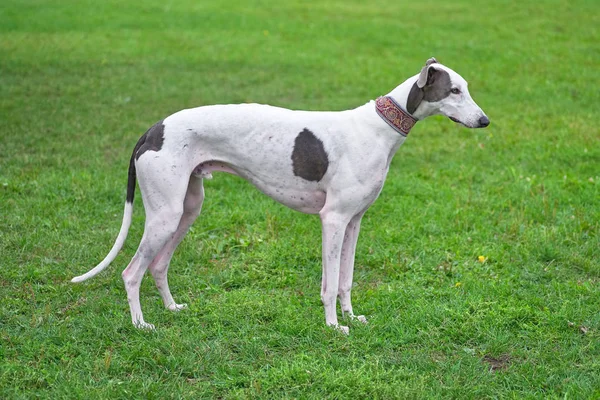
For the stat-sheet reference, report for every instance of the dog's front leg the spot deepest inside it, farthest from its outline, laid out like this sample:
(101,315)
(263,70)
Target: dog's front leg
(347,268)
(334,227)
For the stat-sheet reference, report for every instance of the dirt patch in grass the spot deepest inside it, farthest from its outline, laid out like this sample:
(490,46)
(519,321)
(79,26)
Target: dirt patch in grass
(499,363)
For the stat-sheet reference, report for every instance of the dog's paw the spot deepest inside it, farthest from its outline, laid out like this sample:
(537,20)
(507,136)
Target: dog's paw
(360,318)
(144,326)
(177,307)
(344,329)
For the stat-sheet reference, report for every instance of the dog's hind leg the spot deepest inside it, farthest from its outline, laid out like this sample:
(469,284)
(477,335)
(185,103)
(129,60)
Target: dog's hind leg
(160,265)
(159,229)
(163,197)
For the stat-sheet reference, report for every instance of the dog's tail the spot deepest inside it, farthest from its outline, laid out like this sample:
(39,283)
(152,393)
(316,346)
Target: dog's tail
(127,213)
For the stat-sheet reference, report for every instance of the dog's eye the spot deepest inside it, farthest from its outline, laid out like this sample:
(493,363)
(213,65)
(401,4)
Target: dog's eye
(455,90)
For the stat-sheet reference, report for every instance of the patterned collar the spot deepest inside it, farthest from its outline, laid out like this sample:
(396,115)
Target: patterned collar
(394,115)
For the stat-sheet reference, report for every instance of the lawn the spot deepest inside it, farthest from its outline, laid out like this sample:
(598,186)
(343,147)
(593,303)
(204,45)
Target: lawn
(478,267)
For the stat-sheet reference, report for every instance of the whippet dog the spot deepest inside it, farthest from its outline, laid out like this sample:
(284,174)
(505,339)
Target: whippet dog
(329,163)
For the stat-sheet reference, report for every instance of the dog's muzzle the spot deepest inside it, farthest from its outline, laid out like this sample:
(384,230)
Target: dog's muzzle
(484,121)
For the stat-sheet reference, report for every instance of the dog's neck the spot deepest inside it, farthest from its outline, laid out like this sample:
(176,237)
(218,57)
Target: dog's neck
(391,112)
(396,103)
(381,128)
(400,96)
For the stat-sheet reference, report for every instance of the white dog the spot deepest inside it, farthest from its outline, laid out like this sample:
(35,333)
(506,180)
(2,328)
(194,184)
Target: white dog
(329,163)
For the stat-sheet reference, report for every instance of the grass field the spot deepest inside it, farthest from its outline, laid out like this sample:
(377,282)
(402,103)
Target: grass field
(80,81)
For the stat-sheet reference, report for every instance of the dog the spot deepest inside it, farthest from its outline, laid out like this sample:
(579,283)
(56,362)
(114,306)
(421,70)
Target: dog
(329,163)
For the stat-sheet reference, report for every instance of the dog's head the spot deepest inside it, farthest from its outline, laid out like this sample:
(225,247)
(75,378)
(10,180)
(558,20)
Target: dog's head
(440,90)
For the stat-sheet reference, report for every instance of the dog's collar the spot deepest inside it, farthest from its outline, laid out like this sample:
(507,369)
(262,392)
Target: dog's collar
(394,115)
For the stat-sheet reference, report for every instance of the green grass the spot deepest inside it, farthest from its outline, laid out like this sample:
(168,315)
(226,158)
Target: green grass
(80,81)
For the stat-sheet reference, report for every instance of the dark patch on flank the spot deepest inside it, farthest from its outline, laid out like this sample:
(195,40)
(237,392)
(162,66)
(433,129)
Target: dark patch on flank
(151,140)
(309,158)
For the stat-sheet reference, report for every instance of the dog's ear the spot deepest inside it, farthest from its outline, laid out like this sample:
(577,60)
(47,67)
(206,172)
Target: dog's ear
(427,75)
(414,98)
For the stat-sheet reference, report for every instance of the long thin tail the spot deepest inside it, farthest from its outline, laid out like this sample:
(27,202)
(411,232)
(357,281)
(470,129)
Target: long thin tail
(127,213)
(115,249)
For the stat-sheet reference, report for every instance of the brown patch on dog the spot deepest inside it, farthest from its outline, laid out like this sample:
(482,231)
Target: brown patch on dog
(309,158)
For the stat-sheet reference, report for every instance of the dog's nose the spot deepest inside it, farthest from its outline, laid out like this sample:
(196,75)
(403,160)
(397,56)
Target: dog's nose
(484,121)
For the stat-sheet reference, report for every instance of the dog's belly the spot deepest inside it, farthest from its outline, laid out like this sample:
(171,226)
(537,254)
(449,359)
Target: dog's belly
(306,198)
(309,202)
